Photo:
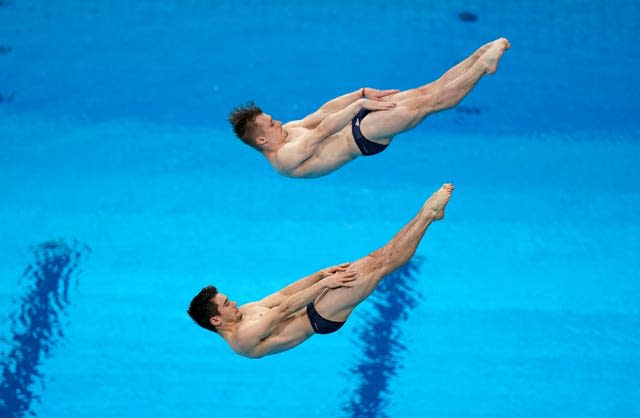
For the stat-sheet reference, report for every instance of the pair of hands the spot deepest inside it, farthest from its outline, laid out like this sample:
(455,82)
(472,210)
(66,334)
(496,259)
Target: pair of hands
(373,99)
(338,276)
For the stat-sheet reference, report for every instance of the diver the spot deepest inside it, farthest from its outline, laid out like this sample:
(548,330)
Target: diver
(316,304)
(359,123)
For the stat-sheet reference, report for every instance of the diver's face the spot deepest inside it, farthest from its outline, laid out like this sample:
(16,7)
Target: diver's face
(269,127)
(228,310)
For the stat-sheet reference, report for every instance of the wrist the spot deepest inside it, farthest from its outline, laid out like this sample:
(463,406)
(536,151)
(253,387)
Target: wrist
(362,92)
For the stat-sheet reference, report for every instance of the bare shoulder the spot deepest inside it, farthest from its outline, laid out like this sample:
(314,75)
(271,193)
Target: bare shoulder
(293,124)
(249,338)
(288,157)
(246,338)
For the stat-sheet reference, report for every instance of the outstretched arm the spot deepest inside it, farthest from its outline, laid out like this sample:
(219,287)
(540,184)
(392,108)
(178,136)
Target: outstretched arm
(313,120)
(248,338)
(295,287)
(295,153)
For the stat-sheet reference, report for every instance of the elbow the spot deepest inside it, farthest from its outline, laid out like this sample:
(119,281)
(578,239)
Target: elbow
(254,356)
(303,171)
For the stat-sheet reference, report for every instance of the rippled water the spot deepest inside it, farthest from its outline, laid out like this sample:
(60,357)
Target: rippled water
(37,327)
(113,132)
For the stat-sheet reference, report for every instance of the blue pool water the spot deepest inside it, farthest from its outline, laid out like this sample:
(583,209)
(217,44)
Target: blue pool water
(123,192)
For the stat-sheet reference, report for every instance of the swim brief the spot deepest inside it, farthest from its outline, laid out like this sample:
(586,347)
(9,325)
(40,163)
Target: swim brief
(366,146)
(319,324)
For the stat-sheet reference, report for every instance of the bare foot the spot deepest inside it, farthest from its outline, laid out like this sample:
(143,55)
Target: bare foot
(493,54)
(434,207)
(482,49)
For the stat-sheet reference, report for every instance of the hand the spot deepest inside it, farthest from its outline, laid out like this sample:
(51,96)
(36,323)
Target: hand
(375,94)
(339,279)
(331,270)
(377,105)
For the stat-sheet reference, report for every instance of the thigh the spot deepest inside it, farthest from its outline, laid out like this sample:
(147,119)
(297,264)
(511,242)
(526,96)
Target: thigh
(337,304)
(382,125)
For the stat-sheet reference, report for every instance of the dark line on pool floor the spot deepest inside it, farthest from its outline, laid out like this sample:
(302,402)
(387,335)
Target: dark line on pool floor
(36,326)
(379,338)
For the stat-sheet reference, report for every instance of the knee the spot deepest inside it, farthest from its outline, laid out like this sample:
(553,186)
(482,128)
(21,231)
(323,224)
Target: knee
(443,99)
(381,262)
(390,258)
(413,111)
(373,262)
(433,102)
(377,256)
(430,88)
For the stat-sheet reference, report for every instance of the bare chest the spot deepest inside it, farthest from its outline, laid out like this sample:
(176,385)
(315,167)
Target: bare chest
(335,148)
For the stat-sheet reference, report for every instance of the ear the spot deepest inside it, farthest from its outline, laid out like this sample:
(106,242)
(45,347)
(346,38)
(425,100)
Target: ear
(215,321)
(261,140)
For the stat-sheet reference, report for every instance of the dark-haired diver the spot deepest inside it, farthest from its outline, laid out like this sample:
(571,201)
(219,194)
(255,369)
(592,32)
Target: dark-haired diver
(360,123)
(319,303)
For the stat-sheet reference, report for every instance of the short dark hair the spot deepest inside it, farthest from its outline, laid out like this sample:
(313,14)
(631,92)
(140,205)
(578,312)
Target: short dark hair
(243,120)
(202,308)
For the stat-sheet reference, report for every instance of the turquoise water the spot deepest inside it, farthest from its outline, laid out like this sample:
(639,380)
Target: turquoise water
(113,134)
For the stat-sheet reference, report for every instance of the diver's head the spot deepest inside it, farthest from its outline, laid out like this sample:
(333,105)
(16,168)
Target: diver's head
(211,309)
(243,120)
(256,128)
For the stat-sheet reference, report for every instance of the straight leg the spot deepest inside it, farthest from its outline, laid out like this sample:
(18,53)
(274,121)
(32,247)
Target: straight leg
(450,75)
(337,304)
(382,126)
